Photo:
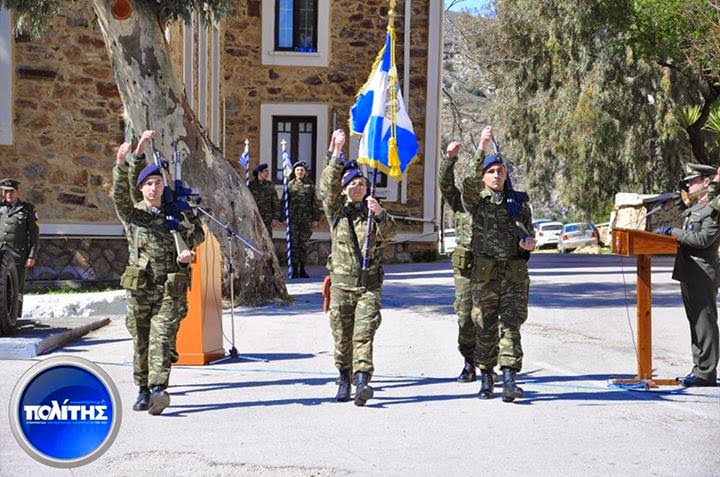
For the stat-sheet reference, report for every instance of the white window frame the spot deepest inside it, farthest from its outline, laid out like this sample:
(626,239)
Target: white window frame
(317,110)
(6,78)
(318,58)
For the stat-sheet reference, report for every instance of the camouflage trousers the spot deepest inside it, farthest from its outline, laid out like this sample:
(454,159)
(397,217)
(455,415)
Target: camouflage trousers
(300,234)
(463,310)
(153,319)
(499,309)
(354,318)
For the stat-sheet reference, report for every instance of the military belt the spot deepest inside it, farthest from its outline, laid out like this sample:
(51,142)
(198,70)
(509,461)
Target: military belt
(374,280)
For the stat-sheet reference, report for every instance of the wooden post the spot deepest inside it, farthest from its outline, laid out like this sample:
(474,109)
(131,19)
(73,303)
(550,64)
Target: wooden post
(644,317)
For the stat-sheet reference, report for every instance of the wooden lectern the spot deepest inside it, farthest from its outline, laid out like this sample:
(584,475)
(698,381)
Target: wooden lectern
(643,245)
(199,340)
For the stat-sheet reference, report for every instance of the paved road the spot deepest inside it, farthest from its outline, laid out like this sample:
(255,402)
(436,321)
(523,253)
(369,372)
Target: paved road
(272,412)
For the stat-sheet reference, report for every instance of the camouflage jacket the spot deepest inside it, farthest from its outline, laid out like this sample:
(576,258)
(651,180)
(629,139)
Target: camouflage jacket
(494,233)
(697,261)
(453,197)
(150,242)
(19,230)
(341,215)
(303,208)
(267,201)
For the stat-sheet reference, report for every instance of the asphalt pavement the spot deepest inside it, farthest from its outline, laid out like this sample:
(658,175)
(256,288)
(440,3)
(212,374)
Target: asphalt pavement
(272,411)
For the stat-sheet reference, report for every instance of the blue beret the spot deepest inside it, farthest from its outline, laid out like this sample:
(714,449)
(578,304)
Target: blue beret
(350,165)
(491,160)
(351,174)
(259,169)
(300,164)
(151,170)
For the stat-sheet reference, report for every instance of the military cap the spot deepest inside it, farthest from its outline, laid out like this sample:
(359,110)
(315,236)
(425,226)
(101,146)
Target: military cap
(9,184)
(151,170)
(350,165)
(491,160)
(699,170)
(259,169)
(300,164)
(350,174)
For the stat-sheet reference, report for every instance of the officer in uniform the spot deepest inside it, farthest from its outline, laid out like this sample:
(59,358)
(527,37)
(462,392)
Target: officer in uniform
(462,263)
(354,305)
(19,231)
(697,268)
(268,203)
(156,278)
(501,244)
(304,216)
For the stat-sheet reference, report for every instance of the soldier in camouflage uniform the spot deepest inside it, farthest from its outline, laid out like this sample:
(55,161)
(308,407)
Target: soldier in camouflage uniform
(156,278)
(268,203)
(19,232)
(697,268)
(304,216)
(501,244)
(354,307)
(462,263)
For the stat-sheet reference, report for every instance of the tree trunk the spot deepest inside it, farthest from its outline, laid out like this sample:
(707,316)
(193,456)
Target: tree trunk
(144,75)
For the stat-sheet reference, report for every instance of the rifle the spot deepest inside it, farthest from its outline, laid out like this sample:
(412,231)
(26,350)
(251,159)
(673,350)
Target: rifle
(175,200)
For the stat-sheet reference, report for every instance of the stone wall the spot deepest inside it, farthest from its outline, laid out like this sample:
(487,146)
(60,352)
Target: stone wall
(67,117)
(85,260)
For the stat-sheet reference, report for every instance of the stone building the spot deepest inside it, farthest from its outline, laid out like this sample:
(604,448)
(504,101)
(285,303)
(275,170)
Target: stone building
(278,69)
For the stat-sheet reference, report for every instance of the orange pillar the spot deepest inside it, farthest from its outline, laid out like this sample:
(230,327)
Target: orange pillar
(644,316)
(199,340)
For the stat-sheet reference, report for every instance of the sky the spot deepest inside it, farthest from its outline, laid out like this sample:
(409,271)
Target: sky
(468,4)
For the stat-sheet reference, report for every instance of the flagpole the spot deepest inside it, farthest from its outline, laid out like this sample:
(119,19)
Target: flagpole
(246,162)
(288,240)
(392,145)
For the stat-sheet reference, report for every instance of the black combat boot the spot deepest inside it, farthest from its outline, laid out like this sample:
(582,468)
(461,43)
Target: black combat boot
(487,384)
(363,391)
(159,400)
(141,404)
(295,271)
(510,389)
(303,273)
(467,375)
(343,393)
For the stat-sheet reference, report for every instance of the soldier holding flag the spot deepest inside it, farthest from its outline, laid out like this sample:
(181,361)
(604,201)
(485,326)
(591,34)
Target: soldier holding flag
(354,306)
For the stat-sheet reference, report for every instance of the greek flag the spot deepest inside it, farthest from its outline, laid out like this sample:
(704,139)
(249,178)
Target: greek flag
(379,115)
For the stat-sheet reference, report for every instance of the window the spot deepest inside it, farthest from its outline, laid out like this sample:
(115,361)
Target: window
(300,135)
(296,32)
(6,78)
(296,25)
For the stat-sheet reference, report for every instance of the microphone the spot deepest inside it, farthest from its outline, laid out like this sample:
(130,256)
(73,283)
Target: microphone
(652,211)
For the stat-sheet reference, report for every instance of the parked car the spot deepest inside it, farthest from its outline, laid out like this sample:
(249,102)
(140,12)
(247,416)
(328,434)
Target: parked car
(536,223)
(548,233)
(448,241)
(576,235)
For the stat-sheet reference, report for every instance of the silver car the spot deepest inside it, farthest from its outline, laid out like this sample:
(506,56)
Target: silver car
(576,235)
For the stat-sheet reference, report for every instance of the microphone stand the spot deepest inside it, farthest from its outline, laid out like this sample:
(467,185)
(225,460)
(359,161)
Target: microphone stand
(233,352)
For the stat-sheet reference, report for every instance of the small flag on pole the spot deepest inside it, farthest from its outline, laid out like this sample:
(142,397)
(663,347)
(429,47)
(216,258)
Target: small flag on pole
(245,162)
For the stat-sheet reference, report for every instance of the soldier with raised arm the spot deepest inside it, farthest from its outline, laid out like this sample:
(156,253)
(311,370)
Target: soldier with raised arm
(156,278)
(354,306)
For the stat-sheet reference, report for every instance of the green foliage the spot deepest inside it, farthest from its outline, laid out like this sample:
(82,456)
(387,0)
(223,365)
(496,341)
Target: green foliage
(33,15)
(688,115)
(713,123)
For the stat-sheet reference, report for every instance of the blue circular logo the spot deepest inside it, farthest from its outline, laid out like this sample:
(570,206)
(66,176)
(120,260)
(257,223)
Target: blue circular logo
(65,411)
